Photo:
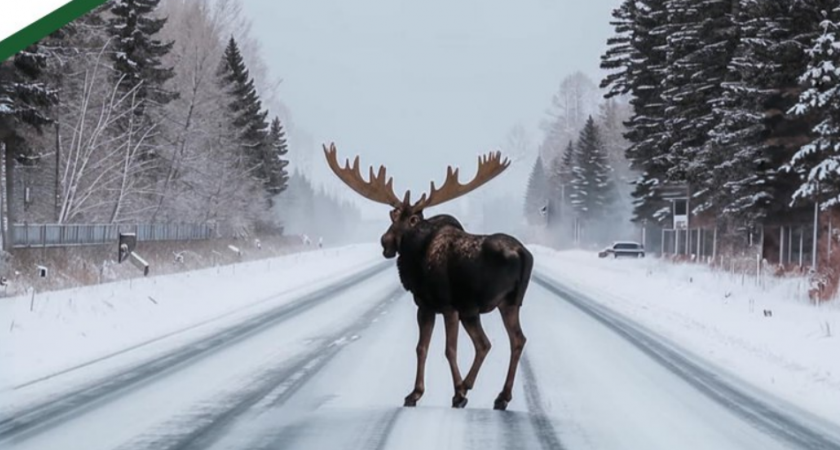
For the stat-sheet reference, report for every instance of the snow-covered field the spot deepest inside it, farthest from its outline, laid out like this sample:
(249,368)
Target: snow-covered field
(70,327)
(793,354)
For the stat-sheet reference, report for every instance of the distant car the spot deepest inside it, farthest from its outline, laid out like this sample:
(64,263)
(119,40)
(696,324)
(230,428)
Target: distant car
(623,249)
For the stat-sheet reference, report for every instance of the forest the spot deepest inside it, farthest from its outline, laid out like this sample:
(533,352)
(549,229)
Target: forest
(734,102)
(164,111)
(152,111)
(737,99)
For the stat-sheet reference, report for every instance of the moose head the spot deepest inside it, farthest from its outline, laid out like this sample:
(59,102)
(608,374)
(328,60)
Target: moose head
(405,215)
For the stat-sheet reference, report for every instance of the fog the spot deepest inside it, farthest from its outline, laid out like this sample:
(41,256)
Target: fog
(420,85)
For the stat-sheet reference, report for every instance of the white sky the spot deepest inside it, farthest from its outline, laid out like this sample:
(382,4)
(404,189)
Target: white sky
(25,14)
(417,85)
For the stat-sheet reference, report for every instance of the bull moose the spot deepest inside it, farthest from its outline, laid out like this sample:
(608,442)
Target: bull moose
(449,271)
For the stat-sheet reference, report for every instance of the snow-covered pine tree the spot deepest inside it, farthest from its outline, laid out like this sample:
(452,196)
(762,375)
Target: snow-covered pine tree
(559,181)
(755,135)
(246,108)
(593,189)
(611,118)
(277,178)
(641,30)
(617,58)
(701,42)
(567,163)
(136,53)
(24,99)
(818,162)
(536,195)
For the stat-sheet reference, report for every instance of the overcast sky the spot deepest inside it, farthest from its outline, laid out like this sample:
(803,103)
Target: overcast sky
(417,85)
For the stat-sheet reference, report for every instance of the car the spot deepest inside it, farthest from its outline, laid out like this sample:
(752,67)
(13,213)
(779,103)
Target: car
(623,249)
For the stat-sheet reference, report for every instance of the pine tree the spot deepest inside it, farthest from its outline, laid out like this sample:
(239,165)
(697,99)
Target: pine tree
(277,178)
(559,171)
(638,55)
(593,189)
(611,123)
(136,54)
(536,195)
(617,58)
(701,43)
(24,99)
(567,163)
(818,162)
(246,108)
(755,135)
(559,182)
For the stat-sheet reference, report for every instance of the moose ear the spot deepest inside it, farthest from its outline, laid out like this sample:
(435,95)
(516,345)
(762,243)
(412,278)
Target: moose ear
(414,220)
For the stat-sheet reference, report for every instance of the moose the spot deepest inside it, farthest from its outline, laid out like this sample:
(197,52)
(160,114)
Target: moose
(449,271)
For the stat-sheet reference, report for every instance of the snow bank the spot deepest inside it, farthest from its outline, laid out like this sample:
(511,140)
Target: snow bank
(69,327)
(793,353)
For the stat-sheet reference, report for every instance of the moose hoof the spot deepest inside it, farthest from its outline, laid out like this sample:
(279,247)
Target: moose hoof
(459,401)
(411,399)
(500,404)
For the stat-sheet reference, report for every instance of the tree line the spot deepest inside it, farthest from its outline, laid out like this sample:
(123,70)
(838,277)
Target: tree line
(316,213)
(144,110)
(737,100)
(580,178)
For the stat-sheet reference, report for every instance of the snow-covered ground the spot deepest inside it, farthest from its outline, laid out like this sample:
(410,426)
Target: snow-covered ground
(70,327)
(793,354)
(306,361)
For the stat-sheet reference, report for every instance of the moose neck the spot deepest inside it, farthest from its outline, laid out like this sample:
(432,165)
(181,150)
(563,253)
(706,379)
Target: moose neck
(415,241)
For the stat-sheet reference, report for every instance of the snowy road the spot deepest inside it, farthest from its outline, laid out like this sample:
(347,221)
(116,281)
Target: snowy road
(330,371)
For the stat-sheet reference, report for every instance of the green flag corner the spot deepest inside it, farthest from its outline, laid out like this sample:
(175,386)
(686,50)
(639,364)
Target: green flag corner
(46,25)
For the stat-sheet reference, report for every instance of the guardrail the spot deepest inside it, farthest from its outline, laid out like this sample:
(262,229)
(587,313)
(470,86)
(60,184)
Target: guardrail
(67,235)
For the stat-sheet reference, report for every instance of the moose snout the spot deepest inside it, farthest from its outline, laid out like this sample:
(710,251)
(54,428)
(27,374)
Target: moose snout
(389,246)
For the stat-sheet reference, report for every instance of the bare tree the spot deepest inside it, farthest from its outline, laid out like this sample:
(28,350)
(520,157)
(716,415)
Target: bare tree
(99,158)
(575,100)
(518,145)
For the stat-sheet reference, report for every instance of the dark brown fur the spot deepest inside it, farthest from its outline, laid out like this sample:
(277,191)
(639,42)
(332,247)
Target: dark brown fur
(461,276)
(449,271)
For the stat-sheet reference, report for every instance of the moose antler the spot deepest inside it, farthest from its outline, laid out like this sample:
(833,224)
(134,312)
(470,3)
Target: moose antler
(489,166)
(376,189)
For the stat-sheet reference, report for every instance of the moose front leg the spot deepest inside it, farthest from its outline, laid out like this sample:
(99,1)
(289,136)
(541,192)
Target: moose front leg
(426,323)
(459,400)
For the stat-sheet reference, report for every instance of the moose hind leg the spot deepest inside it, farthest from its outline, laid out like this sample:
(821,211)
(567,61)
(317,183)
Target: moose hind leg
(426,323)
(510,317)
(482,347)
(459,399)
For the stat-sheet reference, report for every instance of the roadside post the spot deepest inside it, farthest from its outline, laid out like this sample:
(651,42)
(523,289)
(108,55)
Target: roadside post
(127,244)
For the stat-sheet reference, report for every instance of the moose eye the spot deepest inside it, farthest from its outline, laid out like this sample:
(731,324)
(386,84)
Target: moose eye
(413,220)
(395,214)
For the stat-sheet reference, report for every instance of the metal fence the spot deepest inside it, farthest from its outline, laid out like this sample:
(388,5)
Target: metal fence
(66,235)
(696,242)
(788,245)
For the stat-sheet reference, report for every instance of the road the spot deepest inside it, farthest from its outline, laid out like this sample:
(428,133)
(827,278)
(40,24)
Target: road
(330,371)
